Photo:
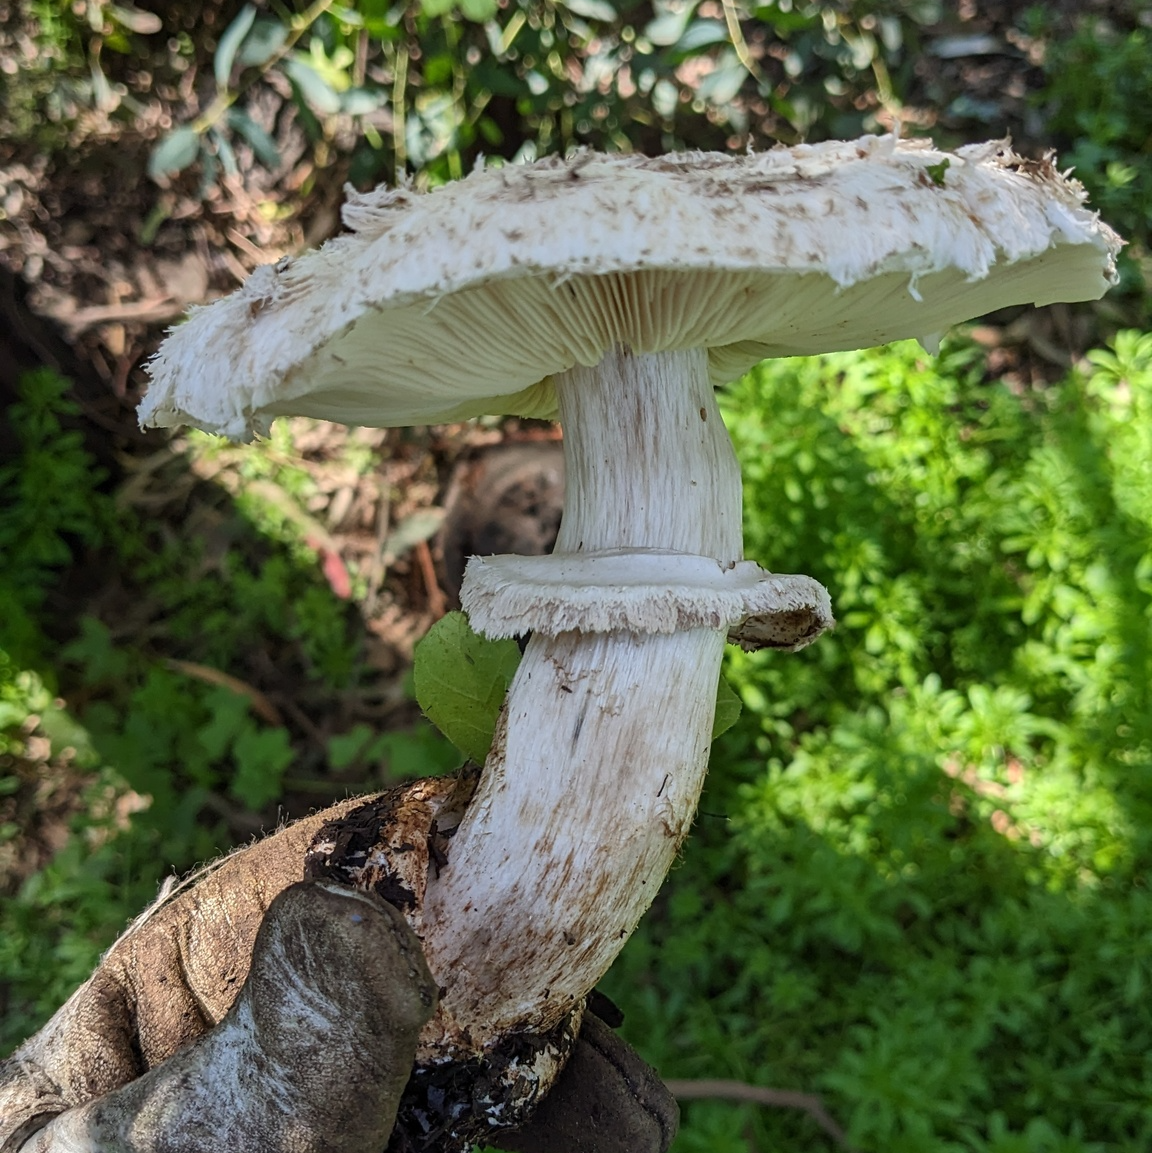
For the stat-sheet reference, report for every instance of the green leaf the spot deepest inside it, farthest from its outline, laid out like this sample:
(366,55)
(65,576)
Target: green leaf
(362,101)
(262,755)
(262,144)
(723,84)
(380,18)
(228,718)
(668,27)
(145,23)
(728,708)
(349,17)
(225,153)
(592,9)
(345,749)
(419,526)
(420,751)
(461,679)
(479,11)
(936,171)
(229,44)
(174,152)
(701,33)
(436,8)
(262,43)
(665,98)
(312,86)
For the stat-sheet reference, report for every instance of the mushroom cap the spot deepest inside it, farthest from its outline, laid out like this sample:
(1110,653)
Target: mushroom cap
(445,305)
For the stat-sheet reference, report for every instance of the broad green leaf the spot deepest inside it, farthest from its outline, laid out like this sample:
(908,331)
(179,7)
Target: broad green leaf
(262,144)
(728,708)
(437,7)
(668,27)
(261,755)
(174,153)
(265,39)
(461,679)
(592,9)
(701,33)
(313,87)
(479,11)
(229,44)
(420,751)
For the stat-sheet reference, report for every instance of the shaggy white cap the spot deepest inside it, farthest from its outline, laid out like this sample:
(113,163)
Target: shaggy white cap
(464,301)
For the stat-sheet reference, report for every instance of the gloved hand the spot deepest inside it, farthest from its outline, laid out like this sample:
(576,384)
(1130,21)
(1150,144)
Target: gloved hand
(311,1054)
(608,1100)
(314,1054)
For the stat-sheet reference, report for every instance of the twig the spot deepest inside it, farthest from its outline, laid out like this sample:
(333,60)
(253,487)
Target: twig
(399,113)
(149,311)
(759,1095)
(241,820)
(261,705)
(436,603)
(376,574)
(739,44)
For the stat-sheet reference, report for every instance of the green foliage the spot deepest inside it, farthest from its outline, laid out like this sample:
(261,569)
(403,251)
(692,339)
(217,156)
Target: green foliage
(461,679)
(728,709)
(417,752)
(429,85)
(51,506)
(164,738)
(930,900)
(1097,98)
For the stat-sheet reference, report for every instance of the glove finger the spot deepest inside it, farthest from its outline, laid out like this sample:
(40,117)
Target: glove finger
(311,1058)
(608,1100)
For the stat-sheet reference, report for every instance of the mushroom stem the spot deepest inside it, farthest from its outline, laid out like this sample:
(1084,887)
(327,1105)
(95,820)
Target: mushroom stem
(648,462)
(597,765)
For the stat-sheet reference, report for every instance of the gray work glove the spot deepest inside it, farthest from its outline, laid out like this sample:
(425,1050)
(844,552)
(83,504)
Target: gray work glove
(608,1100)
(315,1052)
(311,1058)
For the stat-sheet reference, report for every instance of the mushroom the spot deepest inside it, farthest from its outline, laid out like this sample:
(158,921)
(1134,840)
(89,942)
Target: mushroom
(615,292)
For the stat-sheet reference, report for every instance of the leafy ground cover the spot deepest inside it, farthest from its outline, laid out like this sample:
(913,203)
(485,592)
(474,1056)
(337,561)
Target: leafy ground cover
(919,882)
(216,678)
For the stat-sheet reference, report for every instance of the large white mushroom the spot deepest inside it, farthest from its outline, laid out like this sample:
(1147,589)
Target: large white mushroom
(615,292)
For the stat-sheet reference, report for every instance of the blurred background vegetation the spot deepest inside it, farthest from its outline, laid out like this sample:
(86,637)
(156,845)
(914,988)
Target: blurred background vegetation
(919,883)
